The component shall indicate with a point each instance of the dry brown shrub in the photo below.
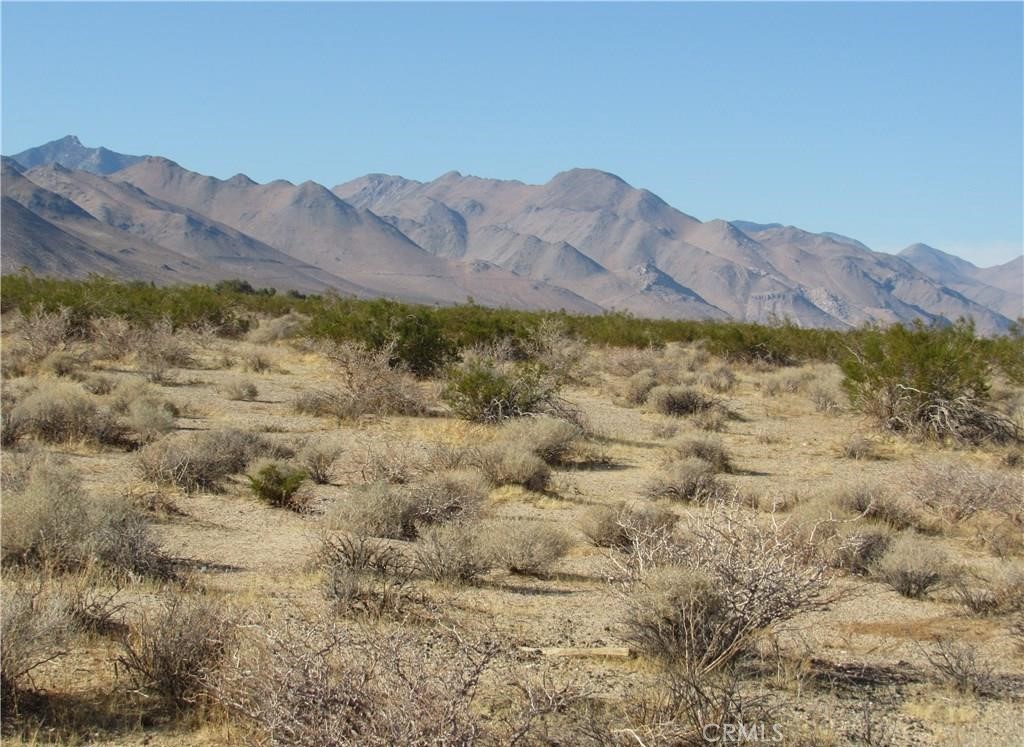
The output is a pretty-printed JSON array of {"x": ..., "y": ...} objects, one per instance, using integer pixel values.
[
  {"x": 524, "y": 547},
  {"x": 552, "y": 439},
  {"x": 331, "y": 685},
  {"x": 448, "y": 494},
  {"x": 36, "y": 627},
  {"x": 679, "y": 400},
  {"x": 318, "y": 457},
  {"x": 376, "y": 510},
  {"x": 364, "y": 575},
  {"x": 454, "y": 553},
  {"x": 958, "y": 490},
  {"x": 241, "y": 390},
  {"x": 512, "y": 464},
  {"x": 200, "y": 461},
  {"x": 280, "y": 328},
  {"x": 687, "y": 479},
  {"x": 112, "y": 337},
  {"x": 997, "y": 533},
  {"x": 913, "y": 565},
  {"x": 712, "y": 420},
  {"x": 614, "y": 525},
  {"x": 1000, "y": 592},
  {"x": 712, "y": 451},
  {"x": 721, "y": 380},
  {"x": 173, "y": 650},
  {"x": 859, "y": 447},
  {"x": 39, "y": 333},
  {"x": 158, "y": 350},
  {"x": 638, "y": 386},
  {"x": 961, "y": 665},
  {"x": 59, "y": 413}
]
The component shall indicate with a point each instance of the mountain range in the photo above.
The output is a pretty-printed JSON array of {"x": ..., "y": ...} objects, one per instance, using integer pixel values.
[{"x": 586, "y": 241}]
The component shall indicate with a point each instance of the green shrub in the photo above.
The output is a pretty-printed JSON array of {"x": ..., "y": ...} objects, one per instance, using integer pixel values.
[
  {"x": 488, "y": 391},
  {"x": 277, "y": 483},
  {"x": 926, "y": 381}
]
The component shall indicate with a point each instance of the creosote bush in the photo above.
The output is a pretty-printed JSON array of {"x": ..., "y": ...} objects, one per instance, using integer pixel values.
[
  {"x": 277, "y": 483},
  {"x": 913, "y": 566},
  {"x": 488, "y": 390}
]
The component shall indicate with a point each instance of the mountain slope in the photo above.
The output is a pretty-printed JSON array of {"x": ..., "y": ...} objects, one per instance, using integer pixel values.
[
  {"x": 313, "y": 225},
  {"x": 70, "y": 153},
  {"x": 1000, "y": 288}
]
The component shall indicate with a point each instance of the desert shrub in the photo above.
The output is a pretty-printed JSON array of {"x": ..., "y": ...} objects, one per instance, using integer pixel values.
[
  {"x": 367, "y": 384},
  {"x": 859, "y": 447},
  {"x": 826, "y": 400},
  {"x": 256, "y": 361},
  {"x": 200, "y": 461},
  {"x": 615, "y": 525},
  {"x": 857, "y": 547},
  {"x": 700, "y": 603},
  {"x": 241, "y": 390},
  {"x": 364, "y": 575},
  {"x": 335, "y": 685},
  {"x": 999, "y": 593},
  {"x": 960, "y": 665},
  {"x": 158, "y": 349},
  {"x": 712, "y": 420},
  {"x": 280, "y": 328},
  {"x": 62, "y": 363},
  {"x": 525, "y": 547},
  {"x": 149, "y": 420},
  {"x": 721, "y": 380},
  {"x": 1000, "y": 535},
  {"x": 35, "y": 628},
  {"x": 512, "y": 464},
  {"x": 678, "y": 400},
  {"x": 112, "y": 337},
  {"x": 785, "y": 383},
  {"x": 492, "y": 391},
  {"x": 277, "y": 483},
  {"x": 395, "y": 462},
  {"x": 711, "y": 451},
  {"x": 552, "y": 439},
  {"x": 174, "y": 649},
  {"x": 376, "y": 510},
  {"x": 442, "y": 496},
  {"x": 687, "y": 479},
  {"x": 927, "y": 381},
  {"x": 126, "y": 393},
  {"x": 98, "y": 384},
  {"x": 453, "y": 553},
  {"x": 39, "y": 332},
  {"x": 60, "y": 412},
  {"x": 50, "y": 522},
  {"x": 959, "y": 490},
  {"x": 317, "y": 458},
  {"x": 638, "y": 386},
  {"x": 913, "y": 565}
]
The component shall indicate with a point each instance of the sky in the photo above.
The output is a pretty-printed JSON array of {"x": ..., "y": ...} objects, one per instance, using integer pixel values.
[{"x": 890, "y": 123}]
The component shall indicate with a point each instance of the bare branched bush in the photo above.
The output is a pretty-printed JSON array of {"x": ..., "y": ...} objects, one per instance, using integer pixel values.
[
  {"x": 35, "y": 628},
  {"x": 200, "y": 461},
  {"x": 112, "y": 337},
  {"x": 615, "y": 525},
  {"x": 826, "y": 400},
  {"x": 913, "y": 565},
  {"x": 326, "y": 685},
  {"x": 392, "y": 461},
  {"x": 524, "y": 547},
  {"x": 689, "y": 479},
  {"x": 241, "y": 390},
  {"x": 376, "y": 510},
  {"x": 512, "y": 464},
  {"x": 40, "y": 333},
  {"x": 721, "y": 380},
  {"x": 173, "y": 650},
  {"x": 740, "y": 578},
  {"x": 364, "y": 575},
  {"x": 59, "y": 413},
  {"x": 158, "y": 350},
  {"x": 709, "y": 450},
  {"x": 368, "y": 383},
  {"x": 679, "y": 400},
  {"x": 859, "y": 447},
  {"x": 998, "y": 593},
  {"x": 318, "y": 457},
  {"x": 959, "y": 664}
]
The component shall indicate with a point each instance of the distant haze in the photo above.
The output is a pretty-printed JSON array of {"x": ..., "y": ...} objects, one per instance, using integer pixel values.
[{"x": 894, "y": 123}]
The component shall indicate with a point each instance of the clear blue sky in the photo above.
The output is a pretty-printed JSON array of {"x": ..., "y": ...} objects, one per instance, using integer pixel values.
[{"x": 890, "y": 123}]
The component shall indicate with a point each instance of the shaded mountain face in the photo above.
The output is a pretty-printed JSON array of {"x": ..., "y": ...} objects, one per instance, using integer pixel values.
[
  {"x": 585, "y": 241},
  {"x": 70, "y": 153}
]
